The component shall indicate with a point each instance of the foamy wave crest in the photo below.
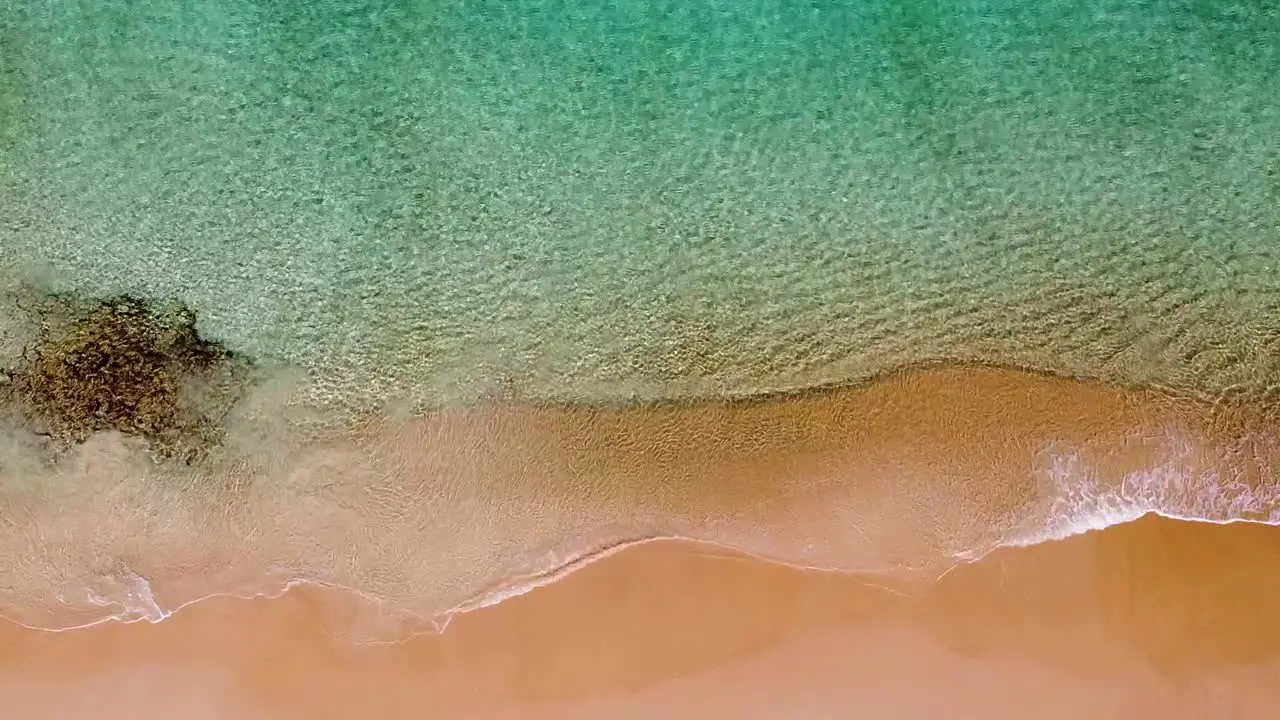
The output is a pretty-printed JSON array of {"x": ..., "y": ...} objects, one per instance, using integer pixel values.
[{"x": 1081, "y": 500}]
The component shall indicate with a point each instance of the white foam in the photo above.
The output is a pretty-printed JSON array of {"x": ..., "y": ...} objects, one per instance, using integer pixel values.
[{"x": 1079, "y": 501}]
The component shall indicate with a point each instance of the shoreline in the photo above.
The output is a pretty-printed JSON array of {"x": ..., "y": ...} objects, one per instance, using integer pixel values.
[
  {"x": 882, "y": 483},
  {"x": 1104, "y": 623},
  {"x": 896, "y": 478}
]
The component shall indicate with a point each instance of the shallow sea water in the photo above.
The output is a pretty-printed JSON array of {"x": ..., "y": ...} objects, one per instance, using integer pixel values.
[{"x": 678, "y": 359}]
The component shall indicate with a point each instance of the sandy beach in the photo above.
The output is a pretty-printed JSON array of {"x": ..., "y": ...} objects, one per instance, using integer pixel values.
[
  {"x": 899, "y": 484},
  {"x": 1155, "y": 619}
]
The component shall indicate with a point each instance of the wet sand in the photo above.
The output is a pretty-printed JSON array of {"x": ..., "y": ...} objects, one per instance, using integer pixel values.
[
  {"x": 1154, "y": 619},
  {"x": 887, "y": 481}
]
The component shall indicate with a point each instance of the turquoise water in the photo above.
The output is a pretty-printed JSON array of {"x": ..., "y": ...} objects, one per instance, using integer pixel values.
[{"x": 616, "y": 199}]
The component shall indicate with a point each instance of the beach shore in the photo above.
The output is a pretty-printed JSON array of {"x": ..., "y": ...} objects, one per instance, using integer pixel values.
[
  {"x": 955, "y": 501},
  {"x": 1158, "y": 618}
]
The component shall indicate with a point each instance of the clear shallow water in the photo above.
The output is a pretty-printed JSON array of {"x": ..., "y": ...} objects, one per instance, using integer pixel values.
[{"x": 598, "y": 200}]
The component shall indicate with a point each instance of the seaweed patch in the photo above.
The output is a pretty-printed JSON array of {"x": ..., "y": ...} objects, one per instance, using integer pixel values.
[{"x": 124, "y": 364}]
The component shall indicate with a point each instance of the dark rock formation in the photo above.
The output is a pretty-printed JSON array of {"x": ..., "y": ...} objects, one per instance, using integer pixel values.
[{"x": 129, "y": 365}]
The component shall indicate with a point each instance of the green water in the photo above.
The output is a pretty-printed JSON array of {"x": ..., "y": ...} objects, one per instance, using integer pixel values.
[{"x": 617, "y": 199}]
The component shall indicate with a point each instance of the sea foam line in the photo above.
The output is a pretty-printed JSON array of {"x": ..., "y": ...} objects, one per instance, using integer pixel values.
[{"x": 1079, "y": 504}]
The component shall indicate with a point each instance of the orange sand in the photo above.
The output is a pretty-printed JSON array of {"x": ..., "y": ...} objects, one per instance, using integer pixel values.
[
  {"x": 1157, "y": 619},
  {"x": 1153, "y": 619}
]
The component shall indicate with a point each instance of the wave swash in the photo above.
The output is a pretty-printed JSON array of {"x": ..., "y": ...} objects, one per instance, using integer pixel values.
[{"x": 901, "y": 478}]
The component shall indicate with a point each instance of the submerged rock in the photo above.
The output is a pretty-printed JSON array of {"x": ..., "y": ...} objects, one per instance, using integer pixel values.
[{"x": 129, "y": 365}]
